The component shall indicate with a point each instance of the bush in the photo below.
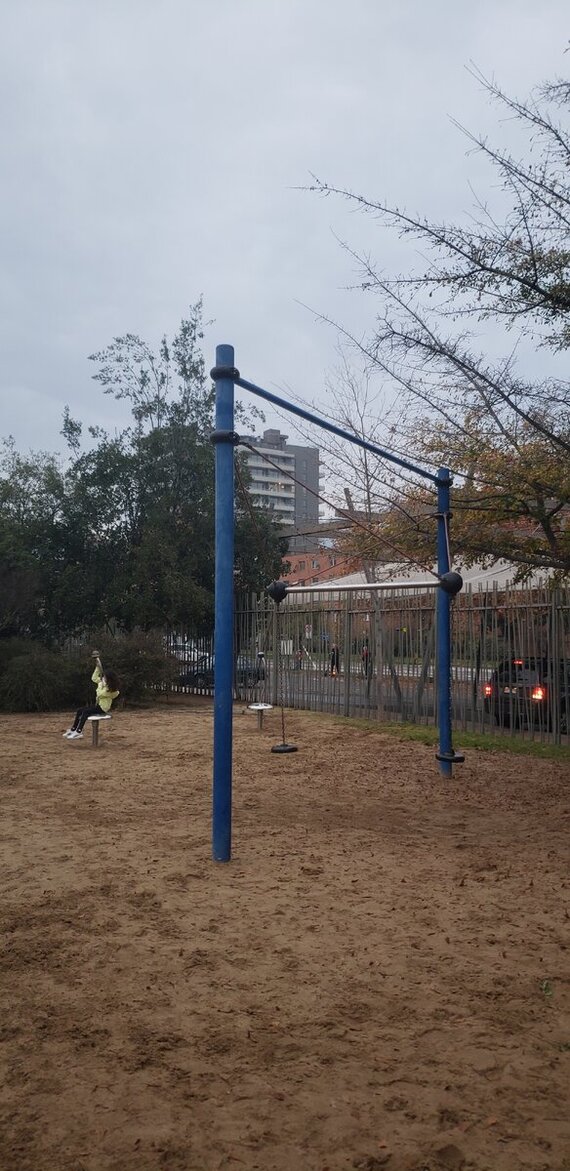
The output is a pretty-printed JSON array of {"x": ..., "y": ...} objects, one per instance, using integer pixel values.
[
  {"x": 77, "y": 688},
  {"x": 34, "y": 678},
  {"x": 11, "y": 648},
  {"x": 36, "y": 681},
  {"x": 140, "y": 660}
]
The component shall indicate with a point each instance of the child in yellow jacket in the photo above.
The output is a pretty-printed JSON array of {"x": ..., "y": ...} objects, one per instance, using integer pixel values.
[{"x": 107, "y": 690}]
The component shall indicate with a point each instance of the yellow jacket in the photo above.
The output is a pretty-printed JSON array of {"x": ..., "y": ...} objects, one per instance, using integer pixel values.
[{"x": 104, "y": 696}]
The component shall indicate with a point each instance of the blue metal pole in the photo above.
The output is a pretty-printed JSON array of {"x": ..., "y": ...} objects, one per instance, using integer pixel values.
[
  {"x": 443, "y": 663},
  {"x": 224, "y": 439},
  {"x": 332, "y": 427}
]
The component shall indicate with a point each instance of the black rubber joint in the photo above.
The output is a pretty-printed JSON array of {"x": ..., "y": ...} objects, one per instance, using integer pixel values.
[
  {"x": 225, "y": 437},
  {"x": 218, "y": 372},
  {"x": 277, "y": 590}
]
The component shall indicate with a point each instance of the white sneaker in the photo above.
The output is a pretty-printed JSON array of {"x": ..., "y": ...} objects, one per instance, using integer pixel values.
[
  {"x": 68, "y": 733},
  {"x": 75, "y": 736}
]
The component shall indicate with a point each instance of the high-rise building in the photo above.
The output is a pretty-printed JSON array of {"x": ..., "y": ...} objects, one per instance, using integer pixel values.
[{"x": 291, "y": 501}]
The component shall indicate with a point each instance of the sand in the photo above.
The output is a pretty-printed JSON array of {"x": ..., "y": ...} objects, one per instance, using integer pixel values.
[{"x": 379, "y": 978}]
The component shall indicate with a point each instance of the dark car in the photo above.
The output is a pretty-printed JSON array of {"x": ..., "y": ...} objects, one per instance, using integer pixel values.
[
  {"x": 529, "y": 692},
  {"x": 249, "y": 670},
  {"x": 199, "y": 674}
]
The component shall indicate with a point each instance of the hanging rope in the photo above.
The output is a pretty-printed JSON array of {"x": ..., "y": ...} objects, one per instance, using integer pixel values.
[
  {"x": 446, "y": 527},
  {"x": 451, "y": 582},
  {"x": 280, "y": 675},
  {"x": 277, "y": 591},
  {"x": 247, "y": 499}
]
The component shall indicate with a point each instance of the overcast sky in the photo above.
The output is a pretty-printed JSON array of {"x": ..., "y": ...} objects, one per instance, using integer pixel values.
[{"x": 152, "y": 151}]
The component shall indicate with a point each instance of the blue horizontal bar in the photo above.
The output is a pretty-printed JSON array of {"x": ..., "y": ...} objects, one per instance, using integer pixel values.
[{"x": 293, "y": 410}]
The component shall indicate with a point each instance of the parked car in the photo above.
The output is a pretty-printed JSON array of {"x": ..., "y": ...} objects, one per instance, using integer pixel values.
[
  {"x": 529, "y": 692},
  {"x": 249, "y": 670},
  {"x": 183, "y": 649}
]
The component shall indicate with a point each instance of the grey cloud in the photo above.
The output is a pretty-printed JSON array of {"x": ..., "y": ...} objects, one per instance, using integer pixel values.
[{"x": 151, "y": 153}]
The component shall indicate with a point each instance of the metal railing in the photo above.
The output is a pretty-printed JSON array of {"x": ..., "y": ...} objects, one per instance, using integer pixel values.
[{"x": 358, "y": 653}]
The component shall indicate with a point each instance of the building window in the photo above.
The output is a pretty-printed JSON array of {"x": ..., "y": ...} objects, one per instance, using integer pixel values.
[
  {"x": 301, "y": 565},
  {"x": 315, "y": 564}
]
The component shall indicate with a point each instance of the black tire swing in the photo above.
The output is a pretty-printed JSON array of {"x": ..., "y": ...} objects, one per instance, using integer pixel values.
[{"x": 277, "y": 591}]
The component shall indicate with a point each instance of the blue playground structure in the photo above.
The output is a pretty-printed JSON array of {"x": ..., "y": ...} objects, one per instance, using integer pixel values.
[{"x": 225, "y": 438}]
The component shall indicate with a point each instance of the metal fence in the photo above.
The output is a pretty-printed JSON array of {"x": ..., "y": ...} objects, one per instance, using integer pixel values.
[{"x": 373, "y": 656}]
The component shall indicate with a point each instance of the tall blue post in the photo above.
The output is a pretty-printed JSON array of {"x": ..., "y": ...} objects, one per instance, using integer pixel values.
[
  {"x": 224, "y": 440},
  {"x": 443, "y": 662}
]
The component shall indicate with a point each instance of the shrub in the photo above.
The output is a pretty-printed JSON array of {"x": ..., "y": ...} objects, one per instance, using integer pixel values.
[
  {"x": 140, "y": 660},
  {"x": 77, "y": 688},
  {"x": 11, "y": 648},
  {"x": 35, "y": 681},
  {"x": 34, "y": 678}
]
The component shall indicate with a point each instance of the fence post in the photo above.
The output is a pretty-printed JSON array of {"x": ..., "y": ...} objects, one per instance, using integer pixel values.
[
  {"x": 556, "y": 657},
  {"x": 347, "y": 653},
  {"x": 378, "y": 658}
]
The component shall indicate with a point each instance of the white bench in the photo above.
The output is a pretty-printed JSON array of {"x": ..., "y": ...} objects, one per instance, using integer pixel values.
[{"x": 95, "y": 721}]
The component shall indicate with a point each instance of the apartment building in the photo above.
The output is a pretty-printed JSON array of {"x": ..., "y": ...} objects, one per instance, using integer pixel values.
[{"x": 272, "y": 466}]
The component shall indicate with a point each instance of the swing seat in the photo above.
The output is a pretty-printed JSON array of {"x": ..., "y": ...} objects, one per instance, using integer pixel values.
[
  {"x": 95, "y": 721},
  {"x": 260, "y": 708}
]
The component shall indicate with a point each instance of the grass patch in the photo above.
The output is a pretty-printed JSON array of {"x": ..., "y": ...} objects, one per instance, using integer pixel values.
[{"x": 481, "y": 741}]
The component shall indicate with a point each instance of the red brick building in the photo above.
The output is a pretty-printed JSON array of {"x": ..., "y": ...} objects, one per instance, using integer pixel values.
[{"x": 318, "y": 565}]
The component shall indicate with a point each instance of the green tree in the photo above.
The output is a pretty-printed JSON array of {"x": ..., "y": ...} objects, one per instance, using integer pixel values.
[
  {"x": 505, "y": 507},
  {"x": 32, "y": 493},
  {"x": 123, "y": 533}
]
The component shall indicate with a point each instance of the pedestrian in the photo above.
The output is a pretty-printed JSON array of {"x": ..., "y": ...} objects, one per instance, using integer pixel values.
[
  {"x": 107, "y": 684},
  {"x": 335, "y": 659},
  {"x": 365, "y": 657}
]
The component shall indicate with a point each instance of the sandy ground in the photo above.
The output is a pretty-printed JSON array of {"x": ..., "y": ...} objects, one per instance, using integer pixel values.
[{"x": 378, "y": 979}]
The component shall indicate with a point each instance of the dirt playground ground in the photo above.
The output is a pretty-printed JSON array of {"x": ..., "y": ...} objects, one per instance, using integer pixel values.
[{"x": 379, "y": 979}]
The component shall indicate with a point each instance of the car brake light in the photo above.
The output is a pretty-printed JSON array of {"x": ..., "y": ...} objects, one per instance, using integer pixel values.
[
  {"x": 518, "y": 662},
  {"x": 538, "y": 693},
  {"x": 487, "y": 690}
]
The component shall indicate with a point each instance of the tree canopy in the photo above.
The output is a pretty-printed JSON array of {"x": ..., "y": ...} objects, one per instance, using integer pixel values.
[
  {"x": 504, "y": 433},
  {"x": 122, "y": 533}
]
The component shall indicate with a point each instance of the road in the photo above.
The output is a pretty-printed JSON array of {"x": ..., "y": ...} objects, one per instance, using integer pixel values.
[{"x": 356, "y": 695}]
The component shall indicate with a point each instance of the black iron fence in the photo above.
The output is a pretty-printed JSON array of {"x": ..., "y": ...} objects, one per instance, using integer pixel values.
[{"x": 373, "y": 655}]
